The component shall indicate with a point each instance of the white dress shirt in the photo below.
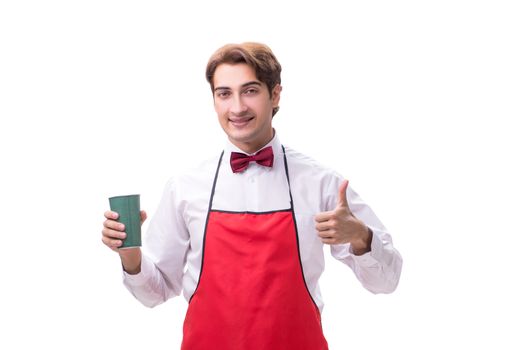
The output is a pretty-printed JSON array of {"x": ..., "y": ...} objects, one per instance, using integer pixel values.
[{"x": 172, "y": 250}]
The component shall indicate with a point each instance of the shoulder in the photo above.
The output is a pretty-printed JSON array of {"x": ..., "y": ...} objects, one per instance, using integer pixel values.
[
  {"x": 194, "y": 178},
  {"x": 313, "y": 184},
  {"x": 302, "y": 165}
]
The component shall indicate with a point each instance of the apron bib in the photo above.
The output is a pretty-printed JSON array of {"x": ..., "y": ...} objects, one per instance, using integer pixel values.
[{"x": 251, "y": 294}]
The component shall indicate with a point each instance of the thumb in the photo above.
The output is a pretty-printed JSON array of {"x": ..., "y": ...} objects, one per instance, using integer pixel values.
[
  {"x": 143, "y": 216},
  {"x": 342, "y": 196}
]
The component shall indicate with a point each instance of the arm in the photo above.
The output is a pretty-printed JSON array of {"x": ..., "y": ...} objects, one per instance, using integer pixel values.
[
  {"x": 359, "y": 240},
  {"x": 164, "y": 253},
  {"x": 154, "y": 273}
]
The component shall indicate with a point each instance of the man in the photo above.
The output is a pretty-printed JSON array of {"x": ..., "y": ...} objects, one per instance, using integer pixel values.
[{"x": 242, "y": 235}]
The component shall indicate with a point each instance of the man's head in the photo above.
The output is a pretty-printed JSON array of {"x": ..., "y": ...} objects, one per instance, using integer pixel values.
[
  {"x": 256, "y": 55},
  {"x": 245, "y": 81}
]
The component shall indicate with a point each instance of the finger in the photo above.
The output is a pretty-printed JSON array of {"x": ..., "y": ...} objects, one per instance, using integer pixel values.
[
  {"x": 329, "y": 241},
  {"x": 324, "y": 225},
  {"x": 326, "y": 234},
  {"x": 143, "y": 216},
  {"x": 113, "y": 234},
  {"x": 114, "y": 225},
  {"x": 112, "y": 215},
  {"x": 112, "y": 243},
  {"x": 324, "y": 216},
  {"x": 342, "y": 194}
]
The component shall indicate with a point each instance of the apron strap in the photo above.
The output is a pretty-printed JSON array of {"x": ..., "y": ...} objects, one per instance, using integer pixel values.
[
  {"x": 287, "y": 177},
  {"x": 214, "y": 185},
  {"x": 206, "y": 224}
]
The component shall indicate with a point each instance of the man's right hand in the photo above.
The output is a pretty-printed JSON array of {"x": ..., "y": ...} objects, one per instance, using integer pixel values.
[{"x": 112, "y": 235}]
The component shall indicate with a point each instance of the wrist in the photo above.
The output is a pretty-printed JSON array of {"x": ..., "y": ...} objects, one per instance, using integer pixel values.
[
  {"x": 363, "y": 244},
  {"x": 131, "y": 260}
]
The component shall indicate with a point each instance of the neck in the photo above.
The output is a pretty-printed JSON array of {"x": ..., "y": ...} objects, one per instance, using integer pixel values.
[{"x": 252, "y": 147}]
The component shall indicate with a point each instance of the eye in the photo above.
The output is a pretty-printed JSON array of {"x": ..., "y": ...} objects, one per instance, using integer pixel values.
[
  {"x": 251, "y": 91},
  {"x": 223, "y": 93}
]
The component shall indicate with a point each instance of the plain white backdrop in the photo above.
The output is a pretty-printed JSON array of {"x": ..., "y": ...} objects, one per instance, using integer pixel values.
[{"x": 418, "y": 103}]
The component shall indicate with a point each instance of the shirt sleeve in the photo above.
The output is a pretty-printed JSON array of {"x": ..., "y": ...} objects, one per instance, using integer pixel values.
[
  {"x": 378, "y": 270},
  {"x": 163, "y": 254}
]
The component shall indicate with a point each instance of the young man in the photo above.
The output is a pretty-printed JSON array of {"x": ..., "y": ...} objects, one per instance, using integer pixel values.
[{"x": 242, "y": 235}]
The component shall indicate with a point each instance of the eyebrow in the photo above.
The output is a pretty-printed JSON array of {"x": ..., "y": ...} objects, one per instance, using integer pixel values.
[{"x": 254, "y": 82}]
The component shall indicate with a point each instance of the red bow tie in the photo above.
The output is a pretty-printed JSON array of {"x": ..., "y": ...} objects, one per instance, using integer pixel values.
[{"x": 240, "y": 161}]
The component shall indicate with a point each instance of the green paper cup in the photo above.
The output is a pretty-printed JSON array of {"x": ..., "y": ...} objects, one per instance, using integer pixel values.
[{"x": 128, "y": 209}]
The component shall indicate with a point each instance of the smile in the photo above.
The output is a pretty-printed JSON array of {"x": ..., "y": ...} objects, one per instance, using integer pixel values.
[{"x": 240, "y": 122}]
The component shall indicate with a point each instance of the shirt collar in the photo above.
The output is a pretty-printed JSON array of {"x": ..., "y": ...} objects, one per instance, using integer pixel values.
[{"x": 275, "y": 143}]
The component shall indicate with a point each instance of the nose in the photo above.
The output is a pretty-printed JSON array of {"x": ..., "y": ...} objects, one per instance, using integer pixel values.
[{"x": 237, "y": 105}]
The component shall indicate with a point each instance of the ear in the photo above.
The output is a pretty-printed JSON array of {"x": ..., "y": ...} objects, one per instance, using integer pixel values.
[{"x": 275, "y": 95}]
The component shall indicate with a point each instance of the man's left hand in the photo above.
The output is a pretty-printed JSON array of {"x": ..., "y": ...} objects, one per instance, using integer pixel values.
[{"x": 340, "y": 226}]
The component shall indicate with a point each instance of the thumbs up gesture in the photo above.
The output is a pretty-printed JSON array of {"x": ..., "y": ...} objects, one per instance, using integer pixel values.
[{"x": 340, "y": 226}]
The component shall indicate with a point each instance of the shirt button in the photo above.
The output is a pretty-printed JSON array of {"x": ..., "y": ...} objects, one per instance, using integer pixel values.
[{"x": 251, "y": 179}]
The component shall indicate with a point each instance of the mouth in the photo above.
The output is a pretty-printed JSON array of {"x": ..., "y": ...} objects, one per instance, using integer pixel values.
[{"x": 240, "y": 122}]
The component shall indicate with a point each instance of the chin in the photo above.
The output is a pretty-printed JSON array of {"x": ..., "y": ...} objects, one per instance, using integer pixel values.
[
  {"x": 240, "y": 137},
  {"x": 239, "y": 134}
]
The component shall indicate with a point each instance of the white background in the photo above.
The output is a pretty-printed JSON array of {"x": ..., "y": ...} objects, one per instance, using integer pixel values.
[{"x": 417, "y": 103}]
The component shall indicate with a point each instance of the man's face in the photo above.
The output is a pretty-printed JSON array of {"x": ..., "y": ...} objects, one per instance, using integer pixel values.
[{"x": 244, "y": 106}]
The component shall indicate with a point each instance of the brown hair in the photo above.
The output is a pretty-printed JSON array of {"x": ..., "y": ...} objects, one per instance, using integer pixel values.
[{"x": 256, "y": 55}]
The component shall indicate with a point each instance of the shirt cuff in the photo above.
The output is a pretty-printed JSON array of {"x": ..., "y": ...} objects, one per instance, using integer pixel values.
[
  {"x": 143, "y": 276},
  {"x": 372, "y": 257}
]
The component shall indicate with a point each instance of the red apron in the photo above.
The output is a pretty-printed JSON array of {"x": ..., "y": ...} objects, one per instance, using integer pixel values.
[{"x": 252, "y": 293}]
